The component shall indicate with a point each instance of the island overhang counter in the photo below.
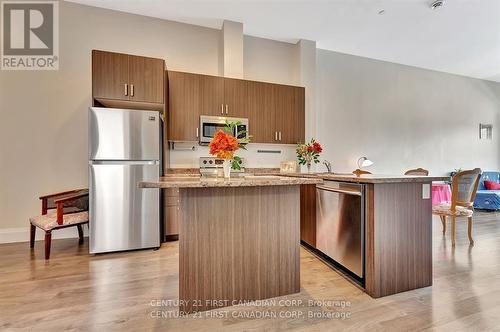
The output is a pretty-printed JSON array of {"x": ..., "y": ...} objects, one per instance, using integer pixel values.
[{"x": 239, "y": 239}]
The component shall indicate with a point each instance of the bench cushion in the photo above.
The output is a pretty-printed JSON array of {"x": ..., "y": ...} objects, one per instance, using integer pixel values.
[{"x": 48, "y": 221}]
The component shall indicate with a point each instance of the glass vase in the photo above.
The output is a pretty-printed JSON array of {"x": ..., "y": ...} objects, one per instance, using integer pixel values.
[
  {"x": 226, "y": 166},
  {"x": 308, "y": 164}
]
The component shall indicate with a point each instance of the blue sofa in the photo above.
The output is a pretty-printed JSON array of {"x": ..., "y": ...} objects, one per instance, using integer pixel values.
[{"x": 488, "y": 199}]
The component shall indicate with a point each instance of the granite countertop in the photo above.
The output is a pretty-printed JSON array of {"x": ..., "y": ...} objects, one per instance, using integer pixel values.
[
  {"x": 380, "y": 178},
  {"x": 190, "y": 181},
  {"x": 344, "y": 177},
  {"x": 369, "y": 178}
]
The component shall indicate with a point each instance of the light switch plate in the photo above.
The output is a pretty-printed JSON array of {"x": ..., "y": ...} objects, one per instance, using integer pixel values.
[{"x": 426, "y": 191}]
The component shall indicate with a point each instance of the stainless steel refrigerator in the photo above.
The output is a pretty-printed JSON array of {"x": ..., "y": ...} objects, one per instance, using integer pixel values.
[{"x": 124, "y": 149}]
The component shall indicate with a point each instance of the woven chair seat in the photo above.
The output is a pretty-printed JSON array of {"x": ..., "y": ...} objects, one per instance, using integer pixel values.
[{"x": 48, "y": 221}]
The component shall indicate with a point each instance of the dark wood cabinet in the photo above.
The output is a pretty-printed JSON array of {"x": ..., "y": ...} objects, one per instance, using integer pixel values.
[
  {"x": 235, "y": 98},
  {"x": 171, "y": 214},
  {"x": 212, "y": 95},
  {"x": 109, "y": 75},
  {"x": 290, "y": 114},
  {"x": 146, "y": 79},
  {"x": 308, "y": 214},
  {"x": 129, "y": 81},
  {"x": 275, "y": 112},
  {"x": 184, "y": 105},
  {"x": 192, "y": 95},
  {"x": 261, "y": 112},
  {"x": 299, "y": 115}
]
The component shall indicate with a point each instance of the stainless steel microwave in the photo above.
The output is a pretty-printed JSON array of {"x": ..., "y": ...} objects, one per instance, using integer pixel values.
[{"x": 210, "y": 124}]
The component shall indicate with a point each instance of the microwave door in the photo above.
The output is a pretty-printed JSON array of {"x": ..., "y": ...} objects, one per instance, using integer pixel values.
[{"x": 209, "y": 129}]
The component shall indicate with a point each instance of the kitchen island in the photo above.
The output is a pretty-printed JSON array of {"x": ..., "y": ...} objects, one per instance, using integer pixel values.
[
  {"x": 378, "y": 227},
  {"x": 239, "y": 240}
]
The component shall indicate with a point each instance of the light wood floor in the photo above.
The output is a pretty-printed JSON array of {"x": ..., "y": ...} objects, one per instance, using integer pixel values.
[{"x": 75, "y": 291}]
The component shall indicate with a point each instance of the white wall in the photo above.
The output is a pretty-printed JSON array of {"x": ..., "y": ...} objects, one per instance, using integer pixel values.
[
  {"x": 403, "y": 117},
  {"x": 232, "y": 41},
  {"x": 270, "y": 61}
]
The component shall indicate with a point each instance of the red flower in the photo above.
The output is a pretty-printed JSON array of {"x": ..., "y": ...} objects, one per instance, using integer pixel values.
[
  {"x": 317, "y": 147},
  {"x": 309, "y": 148}
]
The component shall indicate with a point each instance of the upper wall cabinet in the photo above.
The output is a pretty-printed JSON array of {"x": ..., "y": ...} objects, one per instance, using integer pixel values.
[
  {"x": 109, "y": 75},
  {"x": 122, "y": 80},
  {"x": 211, "y": 97},
  {"x": 146, "y": 79},
  {"x": 235, "y": 98},
  {"x": 290, "y": 114},
  {"x": 185, "y": 100},
  {"x": 275, "y": 112},
  {"x": 261, "y": 108}
]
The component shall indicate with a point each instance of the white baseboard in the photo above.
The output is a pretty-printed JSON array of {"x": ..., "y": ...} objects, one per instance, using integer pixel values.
[{"x": 22, "y": 234}]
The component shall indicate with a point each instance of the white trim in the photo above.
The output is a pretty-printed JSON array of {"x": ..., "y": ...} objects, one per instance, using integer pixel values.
[{"x": 22, "y": 234}]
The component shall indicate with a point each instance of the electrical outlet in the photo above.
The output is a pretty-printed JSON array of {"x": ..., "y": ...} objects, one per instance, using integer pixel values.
[{"x": 426, "y": 191}]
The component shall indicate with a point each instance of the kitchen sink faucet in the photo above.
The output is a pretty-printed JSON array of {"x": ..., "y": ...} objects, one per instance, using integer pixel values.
[{"x": 328, "y": 165}]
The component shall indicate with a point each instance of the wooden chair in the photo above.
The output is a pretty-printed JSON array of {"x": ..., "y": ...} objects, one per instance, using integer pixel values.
[
  {"x": 464, "y": 188},
  {"x": 61, "y": 210},
  {"x": 359, "y": 172},
  {"x": 417, "y": 171}
]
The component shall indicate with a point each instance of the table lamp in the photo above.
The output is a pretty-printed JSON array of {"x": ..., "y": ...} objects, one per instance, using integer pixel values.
[{"x": 363, "y": 162}]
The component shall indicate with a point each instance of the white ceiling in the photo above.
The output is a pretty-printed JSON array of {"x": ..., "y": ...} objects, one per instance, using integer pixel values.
[{"x": 462, "y": 37}]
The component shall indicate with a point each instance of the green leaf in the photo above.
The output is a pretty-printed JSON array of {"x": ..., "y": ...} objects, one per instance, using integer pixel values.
[{"x": 235, "y": 165}]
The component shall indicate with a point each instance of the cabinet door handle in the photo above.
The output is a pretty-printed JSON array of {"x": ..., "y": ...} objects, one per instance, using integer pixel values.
[
  {"x": 131, "y": 90},
  {"x": 221, "y": 108},
  {"x": 275, "y": 135},
  {"x": 197, "y": 132},
  {"x": 280, "y": 136},
  {"x": 226, "y": 108},
  {"x": 125, "y": 90}
]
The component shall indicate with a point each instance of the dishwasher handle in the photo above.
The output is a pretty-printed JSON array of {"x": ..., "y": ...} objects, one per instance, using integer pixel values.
[{"x": 342, "y": 191}]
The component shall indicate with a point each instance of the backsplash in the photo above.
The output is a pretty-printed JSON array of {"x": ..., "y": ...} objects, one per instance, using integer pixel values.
[{"x": 256, "y": 155}]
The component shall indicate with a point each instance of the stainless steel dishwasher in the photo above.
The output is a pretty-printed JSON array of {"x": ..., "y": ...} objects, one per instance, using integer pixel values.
[{"x": 340, "y": 224}]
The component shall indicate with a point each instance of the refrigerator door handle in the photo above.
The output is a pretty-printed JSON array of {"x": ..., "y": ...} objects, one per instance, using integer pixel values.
[{"x": 124, "y": 162}]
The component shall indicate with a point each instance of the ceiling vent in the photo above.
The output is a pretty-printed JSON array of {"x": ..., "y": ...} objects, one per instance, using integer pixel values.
[{"x": 436, "y": 4}]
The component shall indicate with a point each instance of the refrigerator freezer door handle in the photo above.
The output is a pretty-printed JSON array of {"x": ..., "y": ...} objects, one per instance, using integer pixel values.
[{"x": 124, "y": 162}]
